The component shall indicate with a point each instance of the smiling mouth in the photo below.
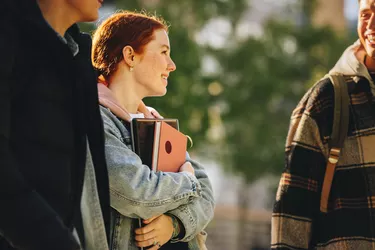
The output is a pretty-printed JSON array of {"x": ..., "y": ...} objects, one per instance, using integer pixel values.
[{"x": 165, "y": 79}]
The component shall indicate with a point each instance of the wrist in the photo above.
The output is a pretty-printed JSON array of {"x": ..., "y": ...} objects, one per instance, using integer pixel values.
[{"x": 176, "y": 227}]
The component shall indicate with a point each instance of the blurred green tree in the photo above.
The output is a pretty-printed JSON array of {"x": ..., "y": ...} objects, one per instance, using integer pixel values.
[{"x": 263, "y": 80}]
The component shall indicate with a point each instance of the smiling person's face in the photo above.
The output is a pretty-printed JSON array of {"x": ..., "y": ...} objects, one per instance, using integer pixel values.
[
  {"x": 366, "y": 26},
  {"x": 155, "y": 64}
]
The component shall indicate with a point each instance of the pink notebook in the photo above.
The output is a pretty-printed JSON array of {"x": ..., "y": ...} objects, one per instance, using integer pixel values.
[{"x": 169, "y": 151}]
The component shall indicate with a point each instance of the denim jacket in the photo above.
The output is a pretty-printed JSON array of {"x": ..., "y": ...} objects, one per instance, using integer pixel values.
[
  {"x": 95, "y": 237},
  {"x": 137, "y": 192}
]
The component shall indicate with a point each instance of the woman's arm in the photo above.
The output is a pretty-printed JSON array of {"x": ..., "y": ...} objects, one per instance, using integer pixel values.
[
  {"x": 196, "y": 215},
  {"x": 135, "y": 190},
  {"x": 188, "y": 220}
]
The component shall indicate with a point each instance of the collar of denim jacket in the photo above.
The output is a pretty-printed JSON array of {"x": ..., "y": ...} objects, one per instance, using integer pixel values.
[{"x": 108, "y": 100}]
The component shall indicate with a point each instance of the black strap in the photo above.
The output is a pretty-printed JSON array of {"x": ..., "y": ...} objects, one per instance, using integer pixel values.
[
  {"x": 341, "y": 112},
  {"x": 339, "y": 133}
]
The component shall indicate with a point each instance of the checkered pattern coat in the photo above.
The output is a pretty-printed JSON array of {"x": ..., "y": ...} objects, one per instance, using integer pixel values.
[{"x": 297, "y": 222}]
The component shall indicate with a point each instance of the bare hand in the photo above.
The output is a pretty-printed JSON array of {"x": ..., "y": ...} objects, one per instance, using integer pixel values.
[
  {"x": 187, "y": 167},
  {"x": 157, "y": 232},
  {"x": 155, "y": 113}
]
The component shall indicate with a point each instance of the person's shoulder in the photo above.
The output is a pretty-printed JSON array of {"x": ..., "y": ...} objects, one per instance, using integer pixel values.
[
  {"x": 322, "y": 90},
  {"x": 317, "y": 99},
  {"x": 317, "y": 104},
  {"x": 111, "y": 121},
  {"x": 106, "y": 114}
]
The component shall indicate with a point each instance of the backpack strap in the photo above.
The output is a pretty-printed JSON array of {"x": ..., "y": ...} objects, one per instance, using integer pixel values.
[{"x": 339, "y": 133}]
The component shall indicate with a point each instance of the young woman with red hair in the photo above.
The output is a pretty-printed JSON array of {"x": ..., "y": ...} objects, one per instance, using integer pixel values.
[{"x": 132, "y": 53}]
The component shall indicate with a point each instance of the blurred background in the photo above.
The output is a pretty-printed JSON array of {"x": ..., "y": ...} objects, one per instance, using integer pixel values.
[{"x": 242, "y": 66}]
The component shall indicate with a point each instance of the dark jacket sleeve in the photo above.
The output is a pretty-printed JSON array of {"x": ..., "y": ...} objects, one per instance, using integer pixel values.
[{"x": 26, "y": 220}]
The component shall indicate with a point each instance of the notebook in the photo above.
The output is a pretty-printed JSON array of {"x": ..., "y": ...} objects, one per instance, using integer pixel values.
[
  {"x": 143, "y": 142},
  {"x": 169, "y": 149}
]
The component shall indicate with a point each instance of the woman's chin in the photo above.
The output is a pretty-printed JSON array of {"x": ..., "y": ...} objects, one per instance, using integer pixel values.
[{"x": 159, "y": 93}]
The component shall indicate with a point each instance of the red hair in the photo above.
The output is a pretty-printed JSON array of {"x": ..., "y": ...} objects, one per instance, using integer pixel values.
[{"x": 119, "y": 30}]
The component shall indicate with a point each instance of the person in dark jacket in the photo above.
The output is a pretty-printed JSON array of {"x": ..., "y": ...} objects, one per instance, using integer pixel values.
[{"x": 49, "y": 113}]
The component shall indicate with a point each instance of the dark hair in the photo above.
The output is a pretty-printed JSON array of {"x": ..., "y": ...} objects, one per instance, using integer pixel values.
[{"x": 120, "y": 30}]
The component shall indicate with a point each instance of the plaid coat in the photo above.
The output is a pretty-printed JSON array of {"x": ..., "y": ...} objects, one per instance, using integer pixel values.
[{"x": 297, "y": 222}]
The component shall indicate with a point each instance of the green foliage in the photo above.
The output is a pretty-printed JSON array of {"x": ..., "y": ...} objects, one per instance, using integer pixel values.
[
  {"x": 87, "y": 27},
  {"x": 271, "y": 75}
]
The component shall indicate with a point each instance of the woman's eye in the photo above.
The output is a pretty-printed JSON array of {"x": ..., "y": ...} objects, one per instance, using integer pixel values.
[
  {"x": 365, "y": 15},
  {"x": 164, "y": 52}
]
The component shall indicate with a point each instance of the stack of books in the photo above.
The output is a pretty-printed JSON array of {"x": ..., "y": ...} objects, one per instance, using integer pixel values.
[{"x": 159, "y": 143}]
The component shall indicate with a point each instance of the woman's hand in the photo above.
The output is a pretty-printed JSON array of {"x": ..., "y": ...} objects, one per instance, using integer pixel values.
[
  {"x": 157, "y": 232},
  {"x": 187, "y": 167},
  {"x": 154, "y": 113}
]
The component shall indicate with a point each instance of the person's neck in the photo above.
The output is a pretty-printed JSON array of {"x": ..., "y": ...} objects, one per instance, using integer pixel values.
[
  {"x": 58, "y": 17},
  {"x": 125, "y": 92},
  {"x": 369, "y": 63}
]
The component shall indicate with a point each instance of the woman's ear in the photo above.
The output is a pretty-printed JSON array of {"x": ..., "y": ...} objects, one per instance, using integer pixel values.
[{"x": 129, "y": 56}]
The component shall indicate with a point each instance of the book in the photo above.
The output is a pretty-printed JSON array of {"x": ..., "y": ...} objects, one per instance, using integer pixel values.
[
  {"x": 143, "y": 137},
  {"x": 169, "y": 148}
]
